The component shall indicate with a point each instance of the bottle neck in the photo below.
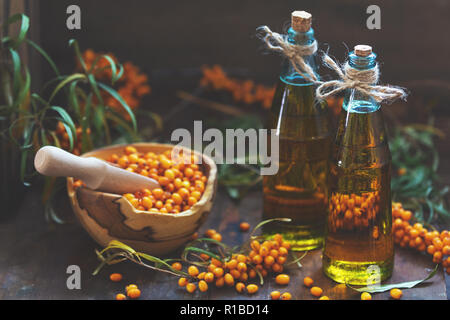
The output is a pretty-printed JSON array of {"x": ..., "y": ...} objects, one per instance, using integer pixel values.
[
  {"x": 355, "y": 101},
  {"x": 288, "y": 73}
]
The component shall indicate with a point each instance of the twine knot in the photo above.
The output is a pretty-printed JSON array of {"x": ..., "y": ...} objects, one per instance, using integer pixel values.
[
  {"x": 362, "y": 80},
  {"x": 294, "y": 52}
]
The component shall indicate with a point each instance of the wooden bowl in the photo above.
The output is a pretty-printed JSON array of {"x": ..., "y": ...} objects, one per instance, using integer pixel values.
[{"x": 107, "y": 216}]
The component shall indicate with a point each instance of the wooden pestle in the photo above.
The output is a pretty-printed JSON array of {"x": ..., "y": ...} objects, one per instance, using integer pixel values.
[{"x": 95, "y": 173}]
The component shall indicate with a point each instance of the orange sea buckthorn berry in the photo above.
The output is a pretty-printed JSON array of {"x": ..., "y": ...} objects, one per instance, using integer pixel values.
[
  {"x": 316, "y": 291},
  {"x": 134, "y": 293},
  {"x": 130, "y": 286},
  {"x": 217, "y": 237},
  {"x": 177, "y": 266},
  {"x": 286, "y": 296},
  {"x": 191, "y": 287},
  {"x": 120, "y": 296},
  {"x": 229, "y": 280},
  {"x": 116, "y": 277},
  {"x": 210, "y": 232},
  {"x": 275, "y": 295},
  {"x": 220, "y": 282},
  {"x": 282, "y": 279},
  {"x": 158, "y": 193},
  {"x": 202, "y": 286},
  {"x": 437, "y": 257},
  {"x": 278, "y": 238},
  {"x": 240, "y": 287},
  {"x": 252, "y": 288},
  {"x": 241, "y": 267},
  {"x": 218, "y": 272},
  {"x": 396, "y": 293},
  {"x": 209, "y": 277},
  {"x": 244, "y": 226},
  {"x": 281, "y": 259},
  {"x": 216, "y": 262},
  {"x": 182, "y": 282},
  {"x": 308, "y": 282},
  {"x": 366, "y": 296},
  {"x": 201, "y": 276},
  {"x": 446, "y": 250},
  {"x": 193, "y": 271},
  {"x": 130, "y": 150},
  {"x": 235, "y": 273},
  {"x": 283, "y": 251}
]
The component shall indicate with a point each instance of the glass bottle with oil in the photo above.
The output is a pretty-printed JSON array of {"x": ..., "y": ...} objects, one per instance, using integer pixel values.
[
  {"x": 359, "y": 244},
  {"x": 299, "y": 190}
]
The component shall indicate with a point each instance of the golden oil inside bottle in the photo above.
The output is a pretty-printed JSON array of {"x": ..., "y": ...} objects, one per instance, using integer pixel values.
[
  {"x": 299, "y": 190},
  {"x": 359, "y": 245}
]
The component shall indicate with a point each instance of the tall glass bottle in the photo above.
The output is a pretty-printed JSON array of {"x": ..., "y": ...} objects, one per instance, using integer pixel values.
[
  {"x": 359, "y": 243},
  {"x": 299, "y": 190}
]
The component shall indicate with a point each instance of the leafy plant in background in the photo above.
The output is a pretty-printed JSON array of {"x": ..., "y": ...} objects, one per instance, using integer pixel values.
[
  {"x": 20, "y": 121},
  {"x": 94, "y": 110},
  {"x": 416, "y": 160}
]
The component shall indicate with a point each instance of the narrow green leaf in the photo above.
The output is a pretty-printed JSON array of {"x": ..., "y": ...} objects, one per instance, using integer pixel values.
[
  {"x": 45, "y": 55},
  {"x": 199, "y": 250},
  {"x": 259, "y": 225},
  {"x": 116, "y": 96},
  {"x": 402, "y": 285},
  {"x": 24, "y": 26},
  {"x": 67, "y": 80},
  {"x": 16, "y": 70},
  {"x": 74, "y": 43}
]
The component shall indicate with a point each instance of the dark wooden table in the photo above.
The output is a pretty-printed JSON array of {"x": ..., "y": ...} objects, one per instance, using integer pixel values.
[{"x": 34, "y": 256}]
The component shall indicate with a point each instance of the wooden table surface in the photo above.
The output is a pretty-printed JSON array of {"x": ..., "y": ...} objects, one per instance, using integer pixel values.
[{"x": 34, "y": 256}]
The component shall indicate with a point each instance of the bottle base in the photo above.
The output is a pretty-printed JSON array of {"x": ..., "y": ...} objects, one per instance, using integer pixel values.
[{"x": 357, "y": 273}]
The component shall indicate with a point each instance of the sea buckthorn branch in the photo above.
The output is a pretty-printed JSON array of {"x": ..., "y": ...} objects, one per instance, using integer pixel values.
[
  {"x": 221, "y": 264},
  {"x": 117, "y": 252},
  {"x": 363, "y": 81},
  {"x": 294, "y": 52},
  {"x": 245, "y": 91}
]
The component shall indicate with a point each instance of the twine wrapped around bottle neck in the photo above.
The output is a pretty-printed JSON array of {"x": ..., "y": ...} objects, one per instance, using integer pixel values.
[
  {"x": 293, "y": 52},
  {"x": 362, "y": 80}
]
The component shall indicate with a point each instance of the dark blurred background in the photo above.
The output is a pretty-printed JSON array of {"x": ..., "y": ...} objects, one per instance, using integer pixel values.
[
  {"x": 159, "y": 35},
  {"x": 170, "y": 40}
]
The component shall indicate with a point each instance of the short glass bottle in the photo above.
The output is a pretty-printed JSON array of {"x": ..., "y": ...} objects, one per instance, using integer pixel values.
[{"x": 359, "y": 243}]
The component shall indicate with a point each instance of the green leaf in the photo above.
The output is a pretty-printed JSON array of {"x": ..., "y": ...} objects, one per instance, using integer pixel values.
[
  {"x": 116, "y": 96},
  {"x": 23, "y": 92},
  {"x": 114, "y": 74},
  {"x": 74, "y": 43},
  {"x": 199, "y": 250},
  {"x": 402, "y": 285},
  {"x": 24, "y": 26},
  {"x": 67, "y": 80},
  {"x": 118, "y": 245},
  {"x": 16, "y": 70},
  {"x": 259, "y": 225},
  {"x": 68, "y": 124},
  {"x": 73, "y": 99},
  {"x": 45, "y": 55}
]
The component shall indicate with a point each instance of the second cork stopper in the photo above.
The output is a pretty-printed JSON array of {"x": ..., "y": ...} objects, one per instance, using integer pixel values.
[
  {"x": 362, "y": 50},
  {"x": 301, "y": 21}
]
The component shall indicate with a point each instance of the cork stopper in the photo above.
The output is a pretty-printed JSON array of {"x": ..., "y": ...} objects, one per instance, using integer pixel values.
[
  {"x": 301, "y": 21},
  {"x": 362, "y": 50}
]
